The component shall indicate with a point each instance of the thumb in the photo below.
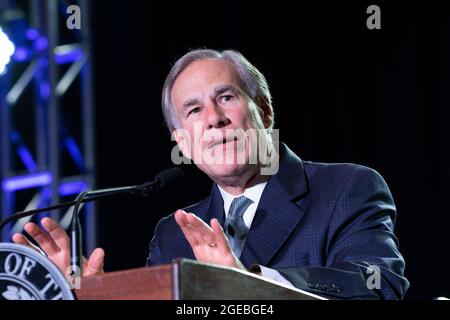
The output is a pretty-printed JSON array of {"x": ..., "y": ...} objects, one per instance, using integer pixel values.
[{"x": 95, "y": 262}]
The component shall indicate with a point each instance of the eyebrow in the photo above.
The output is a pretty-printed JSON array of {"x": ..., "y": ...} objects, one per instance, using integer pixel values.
[
  {"x": 224, "y": 88},
  {"x": 217, "y": 91},
  {"x": 190, "y": 102}
]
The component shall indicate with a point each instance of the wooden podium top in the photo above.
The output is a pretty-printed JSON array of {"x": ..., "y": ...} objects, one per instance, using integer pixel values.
[{"x": 186, "y": 280}]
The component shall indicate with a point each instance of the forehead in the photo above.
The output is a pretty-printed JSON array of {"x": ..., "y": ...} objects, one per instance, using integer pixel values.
[{"x": 201, "y": 76}]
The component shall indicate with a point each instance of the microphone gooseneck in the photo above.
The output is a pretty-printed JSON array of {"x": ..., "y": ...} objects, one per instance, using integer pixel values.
[{"x": 162, "y": 180}]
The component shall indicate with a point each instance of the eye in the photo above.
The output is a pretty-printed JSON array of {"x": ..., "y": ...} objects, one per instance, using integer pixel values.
[
  {"x": 194, "y": 111},
  {"x": 226, "y": 98}
]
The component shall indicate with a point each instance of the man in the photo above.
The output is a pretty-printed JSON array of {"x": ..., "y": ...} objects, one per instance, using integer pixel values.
[{"x": 324, "y": 228}]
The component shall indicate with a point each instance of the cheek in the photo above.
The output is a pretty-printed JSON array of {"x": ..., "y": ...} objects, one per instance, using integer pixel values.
[
  {"x": 251, "y": 121},
  {"x": 242, "y": 118}
]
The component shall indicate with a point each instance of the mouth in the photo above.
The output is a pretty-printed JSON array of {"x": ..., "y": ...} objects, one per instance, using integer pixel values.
[{"x": 223, "y": 141}]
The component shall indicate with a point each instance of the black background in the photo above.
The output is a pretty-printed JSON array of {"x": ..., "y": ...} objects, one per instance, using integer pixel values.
[{"x": 342, "y": 93}]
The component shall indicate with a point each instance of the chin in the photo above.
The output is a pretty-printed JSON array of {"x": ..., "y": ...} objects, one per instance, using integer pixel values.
[{"x": 224, "y": 170}]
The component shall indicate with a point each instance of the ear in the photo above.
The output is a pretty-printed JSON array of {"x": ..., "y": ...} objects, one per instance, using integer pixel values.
[
  {"x": 182, "y": 137},
  {"x": 266, "y": 111}
]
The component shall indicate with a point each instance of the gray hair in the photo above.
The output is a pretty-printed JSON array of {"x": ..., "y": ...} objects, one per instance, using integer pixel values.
[{"x": 255, "y": 84}]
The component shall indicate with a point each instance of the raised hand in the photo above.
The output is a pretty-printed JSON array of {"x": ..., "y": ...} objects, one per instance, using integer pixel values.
[
  {"x": 55, "y": 242},
  {"x": 209, "y": 243}
]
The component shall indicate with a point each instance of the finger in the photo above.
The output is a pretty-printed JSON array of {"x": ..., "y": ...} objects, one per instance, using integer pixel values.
[
  {"x": 221, "y": 238},
  {"x": 197, "y": 223},
  {"x": 19, "y": 238},
  {"x": 95, "y": 263},
  {"x": 201, "y": 230},
  {"x": 45, "y": 241},
  {"x": 57, "y": 233},
  {"x": 181, "y": 219},
  {"x": 191, "y": 229}
]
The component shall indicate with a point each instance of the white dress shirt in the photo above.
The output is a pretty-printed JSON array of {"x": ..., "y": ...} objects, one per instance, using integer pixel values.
[{"x": 253, "y": 193}]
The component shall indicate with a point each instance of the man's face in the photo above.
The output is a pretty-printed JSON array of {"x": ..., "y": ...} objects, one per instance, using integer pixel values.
[{"x": 213, "y": 112}]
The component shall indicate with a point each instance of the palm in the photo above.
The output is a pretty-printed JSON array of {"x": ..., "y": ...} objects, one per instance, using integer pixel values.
[
  {"x": 56, "y": 244},
  {"x": 208, "y": 243}
]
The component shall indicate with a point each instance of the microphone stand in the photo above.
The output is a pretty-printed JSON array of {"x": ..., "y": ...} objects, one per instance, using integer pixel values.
[
  {"x": 76, "y": 239},
  {"x": 28, "y": 213},
  {"x": 76, "y": 257},
  {"x": 76, "y": 244}
]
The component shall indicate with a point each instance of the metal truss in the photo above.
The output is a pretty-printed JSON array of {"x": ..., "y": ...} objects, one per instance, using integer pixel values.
[{"x": 32, "y": 172}]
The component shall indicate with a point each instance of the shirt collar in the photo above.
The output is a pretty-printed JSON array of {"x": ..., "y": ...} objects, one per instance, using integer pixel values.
[{"x": 253, "y": 193}]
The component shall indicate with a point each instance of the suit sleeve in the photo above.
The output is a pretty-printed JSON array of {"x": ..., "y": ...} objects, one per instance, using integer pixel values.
[
  {"x": 362, "y": 257},
  {"x": 154, "y": 256}
]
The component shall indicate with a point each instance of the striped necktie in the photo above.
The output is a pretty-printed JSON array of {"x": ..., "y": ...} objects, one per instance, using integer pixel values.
[{"x": 235, "y": 228}]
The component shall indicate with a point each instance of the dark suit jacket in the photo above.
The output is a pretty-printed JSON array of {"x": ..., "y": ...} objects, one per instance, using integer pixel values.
[{"x": 319, "y": 225}]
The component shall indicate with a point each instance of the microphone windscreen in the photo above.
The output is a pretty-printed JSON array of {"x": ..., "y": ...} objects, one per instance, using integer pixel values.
[{"x": 169, "y": 176}]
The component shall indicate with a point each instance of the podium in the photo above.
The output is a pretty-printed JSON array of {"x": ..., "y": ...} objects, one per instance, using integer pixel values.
[{"x": 186, "y": 280}]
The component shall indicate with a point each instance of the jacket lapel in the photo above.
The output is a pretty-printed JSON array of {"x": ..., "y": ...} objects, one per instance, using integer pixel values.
[
  {"x": 278, "y": 214},
  {"x": 215, "y": 207}
]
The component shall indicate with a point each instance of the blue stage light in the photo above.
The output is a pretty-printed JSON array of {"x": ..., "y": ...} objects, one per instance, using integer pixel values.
[
  {"x": 72, "y": 188},
  {"x": 27, "y": 182},
  {"x": 6, "y": 51}
]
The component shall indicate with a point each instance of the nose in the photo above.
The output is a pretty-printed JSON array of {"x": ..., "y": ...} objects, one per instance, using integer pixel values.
[{"x": 216, "y": 117}]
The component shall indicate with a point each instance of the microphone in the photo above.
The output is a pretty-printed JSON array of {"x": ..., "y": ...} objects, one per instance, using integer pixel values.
[{"x": 162, "y": 179}]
